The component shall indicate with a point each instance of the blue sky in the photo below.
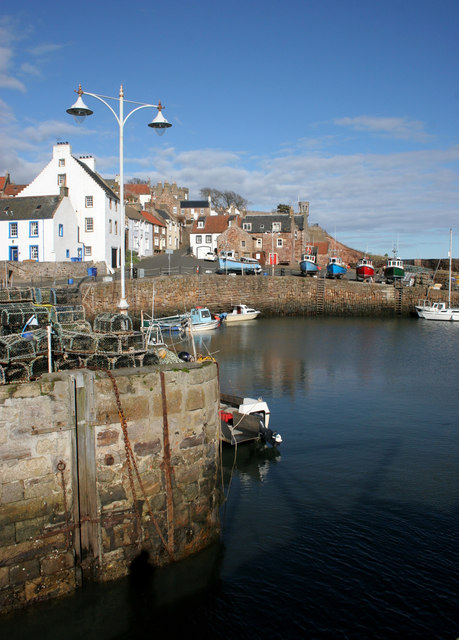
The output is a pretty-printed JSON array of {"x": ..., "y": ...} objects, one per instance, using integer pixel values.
[{"x": 352, "y": 105}]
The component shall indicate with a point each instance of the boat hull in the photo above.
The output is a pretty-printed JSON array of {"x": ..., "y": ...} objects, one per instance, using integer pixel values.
[
  {"x": 364, "y": 272},
  {"x": 232, "y": 318},
  {"x": 230, "y": 265},
  {"x": 394, "y": 273},
  {"x": 438, "y": 312},
  {"x": 308, "y": 268},
  {"x": 336, "y": 270}
]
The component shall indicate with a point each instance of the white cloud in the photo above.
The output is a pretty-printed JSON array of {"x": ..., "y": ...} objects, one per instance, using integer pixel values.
[{"x": 400, "y": 128}]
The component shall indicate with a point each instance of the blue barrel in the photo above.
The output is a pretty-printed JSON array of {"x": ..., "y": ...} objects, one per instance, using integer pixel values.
[
  {"x": 70, "y": 281},
  {"x": 92, "y": 271}
]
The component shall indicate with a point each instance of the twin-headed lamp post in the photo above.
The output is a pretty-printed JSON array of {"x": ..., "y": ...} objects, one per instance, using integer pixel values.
[{"x": 79, "y": 111}]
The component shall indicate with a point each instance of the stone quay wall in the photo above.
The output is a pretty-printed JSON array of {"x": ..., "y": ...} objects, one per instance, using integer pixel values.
[
  {"x": 83, "y": 492},
  {"x": 31, "y": 272},
  {"x": 273, "y": 295}
]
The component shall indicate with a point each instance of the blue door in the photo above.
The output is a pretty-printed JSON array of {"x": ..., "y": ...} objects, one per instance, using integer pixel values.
[{"x": 13, "y": 254}]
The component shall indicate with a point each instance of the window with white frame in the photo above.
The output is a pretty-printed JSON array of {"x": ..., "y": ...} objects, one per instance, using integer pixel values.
[
  {"x": 156, "y": 228},
  {"x": 200, "y": 224},
  {"x": 156, "y": 241},
  {"x": 33, "y": 229},
  {"x": 33, "y": 252},
  {"x": 87, "y": 250},
  {"x": 247, "y": 226},
  {"x": 61, "y": 178},
  {"x": 61, "y": 231},
  {"x": 279, "y": 243},
  {"x": 13, "y": 229},
  {"x": 208, "y": 239},
  {"x": 89, "y": 201},
  {"x": 198, "y": 239},
  {"x": 276, "y": 226},
  {"x": 89, "y": 224},
  {"x": 259, "y": 243},
  {"x": 62, "y": 162}
]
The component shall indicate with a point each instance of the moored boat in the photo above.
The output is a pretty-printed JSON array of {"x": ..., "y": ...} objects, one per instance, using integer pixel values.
[
  {"x": 308, "y": 263},
  {"x": 365, "y": 269},
  {"x": 245, "y": 420},
  {"x": 336, "y": 267},
  {"x": 394, "y": 269},
  {"x": 241, "y": 312},
  {"x": 198, "y": 319},
  {"x": 228, "y": 263}
]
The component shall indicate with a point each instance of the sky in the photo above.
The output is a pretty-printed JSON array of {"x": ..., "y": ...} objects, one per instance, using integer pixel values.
[{"x": 349, "y": 104}]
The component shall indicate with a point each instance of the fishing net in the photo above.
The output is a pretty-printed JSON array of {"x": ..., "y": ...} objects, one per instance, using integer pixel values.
[
  {"x": 14, "y": 317},
  {"x": 112, "y": 323}
]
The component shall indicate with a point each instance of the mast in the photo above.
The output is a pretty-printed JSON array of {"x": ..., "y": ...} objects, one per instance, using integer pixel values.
[{"x": 450, "y": 265}]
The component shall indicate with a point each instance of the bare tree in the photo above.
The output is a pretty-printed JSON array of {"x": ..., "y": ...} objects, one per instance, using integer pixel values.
[
  {"x": 222, "y": 200},
  {"x": 139, "y": 181}
]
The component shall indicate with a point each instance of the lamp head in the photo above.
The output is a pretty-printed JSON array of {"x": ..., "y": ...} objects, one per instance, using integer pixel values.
[
  {"x": 79, "y": 110},
  {"x": 159, "y": 123}
]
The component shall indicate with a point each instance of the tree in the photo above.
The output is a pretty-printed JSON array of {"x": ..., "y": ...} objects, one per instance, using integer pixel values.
[
  {"x": 283, "y": 208},
  {"x": 138, "y": 181},
  {"x": 222, "y": 200}
]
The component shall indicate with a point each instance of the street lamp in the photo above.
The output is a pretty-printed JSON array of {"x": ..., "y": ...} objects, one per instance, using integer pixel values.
[{"x": 79, "y": 111}]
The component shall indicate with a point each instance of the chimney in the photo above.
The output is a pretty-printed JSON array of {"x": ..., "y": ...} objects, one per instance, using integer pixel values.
[
  {"x": 64, "y": 192},
  {"x": 89, "y": 161}
]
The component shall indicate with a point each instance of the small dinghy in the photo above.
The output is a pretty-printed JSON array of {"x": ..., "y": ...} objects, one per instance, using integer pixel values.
[{"x": 245, "y": 420}]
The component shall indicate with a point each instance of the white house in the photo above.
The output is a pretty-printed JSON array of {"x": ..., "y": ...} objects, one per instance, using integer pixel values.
[
  {"x": 205, "y": 232},
  {"x": 96, "y": 206},
  {"x": 40, "y": 228},
  {"x": 140, "y": 233}
]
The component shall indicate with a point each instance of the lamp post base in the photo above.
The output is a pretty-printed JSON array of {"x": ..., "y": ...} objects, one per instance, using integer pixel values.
[{"x": 123, "y": 306}]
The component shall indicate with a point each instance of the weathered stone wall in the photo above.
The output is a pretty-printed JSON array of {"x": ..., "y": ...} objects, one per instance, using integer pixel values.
[
  {"x": 68, "y": 474},
  {"x": 32, "y": 272},
  {"x": 278, "y": 295}
]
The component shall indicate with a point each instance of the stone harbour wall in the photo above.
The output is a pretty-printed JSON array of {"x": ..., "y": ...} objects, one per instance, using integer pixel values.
[
  {"x": 84, "y": 488},
  {"x": 273, "y": 295}
]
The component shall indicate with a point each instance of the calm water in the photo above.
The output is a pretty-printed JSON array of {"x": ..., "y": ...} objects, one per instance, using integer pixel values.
[{"x": 348, "y": 531}]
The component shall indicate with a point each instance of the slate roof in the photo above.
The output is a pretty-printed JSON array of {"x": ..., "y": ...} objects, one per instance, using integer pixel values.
[
  {"x": 132, "y": 213},
  {"x": 194, "y": 204},
  {"x": 263, "y": 224},
  {"x": 96, "y": 177},
  {"x": 29, "y": 208}
]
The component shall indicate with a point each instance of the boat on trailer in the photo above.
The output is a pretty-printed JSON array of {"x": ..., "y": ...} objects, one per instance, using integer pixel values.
[
  {"x": 308, "y": 263},
  {"x": 336, "y": 267},
  {"x": 245, "y": 420}
]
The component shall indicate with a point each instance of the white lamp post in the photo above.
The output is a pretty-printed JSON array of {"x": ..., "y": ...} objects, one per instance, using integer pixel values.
[{"x": 79, "y": 111}]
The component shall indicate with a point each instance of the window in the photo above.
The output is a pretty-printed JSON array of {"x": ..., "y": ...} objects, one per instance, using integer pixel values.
[
  {"x": 156, "y": 241},
  {"x": 33, "y": 229},
  {"x": 89, "y": 224},
  {"x": 87, "y": 251},
  {"x": 276, "y": 226},
  {"x": 110, "y": 227},
  {"x": 174, "y": 210},
  {"x": 208, "y": 239},
  {"x": 198, "y": 239},
  {"x": 67, "y": 253},
  {"x": 259, "y": 243},
  {"x": 62, "y": 162},
  {"x": 279, "y": 243},
  {"x": 247, "y": 226},
  {"x": 242, "y": 244},
  {"x": 110, "y": 203},
  {"x": 116, "y": 227},
  {"x": 61, "y": 230},
  {"x": 88, "y": 201},
  {"x": 156, "y": 228},
  {"x": 13, "y": 229},
  {"x": 202, "y": 212},
  {"x": 200, "y": 224},
  {"x": 61, "y": 178},
  {"x": 33, "y": 252}
]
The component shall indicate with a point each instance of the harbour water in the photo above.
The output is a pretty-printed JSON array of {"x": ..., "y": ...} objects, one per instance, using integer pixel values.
[{"x": 348, "y": 530}]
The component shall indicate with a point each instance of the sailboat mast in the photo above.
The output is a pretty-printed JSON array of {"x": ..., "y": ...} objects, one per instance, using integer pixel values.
[{"x": 450, "y": 264}]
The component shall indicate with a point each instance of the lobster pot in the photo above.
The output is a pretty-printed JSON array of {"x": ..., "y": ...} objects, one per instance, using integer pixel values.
[
  {"x": 68, "y": 296},
  {"x": 40, "y": 338},
  {"x": 98, "y": 361},
  {"x": 81, "y": 343},
  {"x": 2, "y": 375},
  {"x": 108, "y": 344},
  {"x": 65, "y": 363},
  {"x": 76, "y": 327},
  {"x": 132, "y": 342},
  {"x": 16, "y": 295},
  {"x": 124, "y": 362},
  {"x": 16, "y": 372},
  {"x": 150, "y": 358},
  {"x": 15, "y": 316},
  {"x": 42, "y": 296},
  {"x": 67, "y": 314},
  {"x": 38, "y": 367},
  {"x": 112, "y": 323},
  {"x": 14, "y": 347}
]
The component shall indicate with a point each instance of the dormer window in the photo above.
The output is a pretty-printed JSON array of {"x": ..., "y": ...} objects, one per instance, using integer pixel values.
[
  {"x": 247, "y": 226},
  {"x": 276, "y": 226},
  {"x": 200, "y": 224}
]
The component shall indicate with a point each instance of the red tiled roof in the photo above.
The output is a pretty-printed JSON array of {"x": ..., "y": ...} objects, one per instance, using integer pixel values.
[
  {"x": 2, "y": 182},
  {"x": 148, "y": 216},
  {"x": 212, "y": 224},
  {"x": 138, "y": 189},
  {"x": 14, "y": 189}
]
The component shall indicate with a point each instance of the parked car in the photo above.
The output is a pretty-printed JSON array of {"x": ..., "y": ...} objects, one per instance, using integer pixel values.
[{"x": 210, "y": 256}]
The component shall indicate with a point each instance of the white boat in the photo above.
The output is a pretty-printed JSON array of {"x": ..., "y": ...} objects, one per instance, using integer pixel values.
[
  {"x": 245, "y": 420},
  {"x": 440, "y": 310},
  {"x": 241, "y": 312}
]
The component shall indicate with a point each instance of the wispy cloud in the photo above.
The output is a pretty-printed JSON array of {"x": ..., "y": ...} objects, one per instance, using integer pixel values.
[
  {"x": 43, "y": 49},
  {"x": 399, "y": 128}
]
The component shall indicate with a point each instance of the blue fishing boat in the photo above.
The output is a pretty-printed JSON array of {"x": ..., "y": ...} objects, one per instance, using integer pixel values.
[
  {"x": 228, "y": 263},
  {"x": 308, "y": 264},
  {"x": 336, "y": 267}
]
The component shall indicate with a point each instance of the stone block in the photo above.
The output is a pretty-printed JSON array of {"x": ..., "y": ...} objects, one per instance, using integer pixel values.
[
  {"x": 153, "y": 447},
  {"x": 29, "y": 529},
  {"x": 7, "y": 534},
  {"x": 21, "y": 573},
  {"x": 108, "y": 437},
  {"x": 12, "y": 491},
  {"x": 46, "y": 587},
  {"x": 4, "y": 577},
  {"x": 56, "y": 562},
  {"x": 194, "y": 399}
]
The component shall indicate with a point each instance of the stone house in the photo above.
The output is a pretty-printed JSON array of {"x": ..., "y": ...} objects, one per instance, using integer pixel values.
[
  {"x": 279, "y": 234},
  {"x": 39, "y": 228},
  {"x": 173, "y": 229},
  {"x": 96, "y": 206},
  {"x": 240, "y": 241}
]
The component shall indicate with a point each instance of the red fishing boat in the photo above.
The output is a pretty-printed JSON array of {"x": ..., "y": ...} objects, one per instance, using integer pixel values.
[{"x": 365, "y": 269}]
